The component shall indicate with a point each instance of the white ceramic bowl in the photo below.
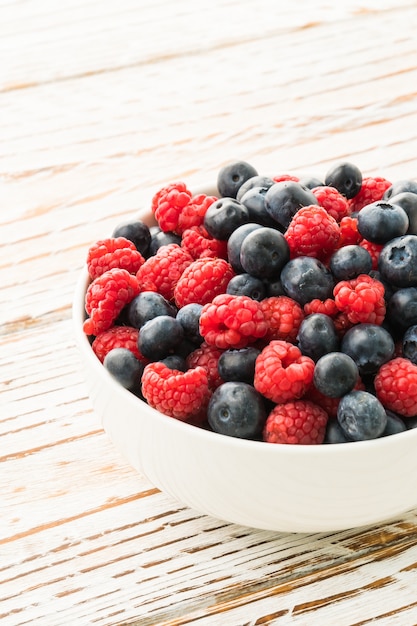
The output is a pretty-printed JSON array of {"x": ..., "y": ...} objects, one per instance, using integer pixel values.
[{"x": 295, "y": 488}]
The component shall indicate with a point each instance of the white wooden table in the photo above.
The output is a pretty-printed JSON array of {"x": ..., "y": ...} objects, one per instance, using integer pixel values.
[{"x": 102, "y": 103}]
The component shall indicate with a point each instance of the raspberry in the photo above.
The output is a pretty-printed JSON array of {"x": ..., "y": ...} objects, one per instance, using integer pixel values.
[
  {"x": 232, "y": 321},
  {"x": 332, "y": 200},
  {"x": 299, "y": 422},
  {"x": 199, "y": 243},
  {"x": 207, "y": 357},
  {"x": 312, "y": 232},
  {"x": 113, "y": 252},
  {"x": 282, "y": 373},
  {"x": 175, "y": 393},
  {"x": 361, "y": 299},
  {"x": 162, "y": 271},
  {"x": 396, "y": 386},
  {"x": 202, "y": 280},
  {"x": 193, "y": 213},
  {"x": 372, "y": 190},
  {"x": 328, "y": 307},
  {"x": 279, "y": 178},
  {"x": 168, "y": 203},
  {"x": 349, "y": 234},
  {"x": 284, "y": 316},
  {"x": 117, "y": 337},
  {"x": 106, "y": 296},
  {"x": 374, "y": 250}
]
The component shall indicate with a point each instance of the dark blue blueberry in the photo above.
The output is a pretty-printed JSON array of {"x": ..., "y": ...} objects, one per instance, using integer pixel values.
[
  {"x": 400, "y": 186},
  {"x": 254, "y": 201},
  {"x": 236, "y": 409},
  {"x": 256, "y": 181},
  {"x": 175, "y": 362},
  {"x": 397, "y": 261},
  {"x": 346, "y": 178},
  {"x": 137, "y": 232},
  {"x": 305, "y": 278},
  {"x": 311, "y": 182},
  {"x": 361, "y": 416},
  {"x": 395, "y": 424},
  {"x": 409, "y": 344},
  {"x": 124, "y": 367},
  {"x": 264, "y": 252},
  {"x": 284, "y": 199},
  {"x": 369, "y": 345},
  {"x": 334, "y": 433},
  {"x": 350, "y": 261},
  {"x": 232, "y": 176},
  {"x": 238, "y": 365},
  {"x": 402, "y": 308},
  {"x": 381, "y": 221},
  {"x": 160, "y": 337},
  {"x": 411, "y": 422},
  {"x": 246, "y": 285},
  {"x": 234, "y": 244},
  {"x": 273, "y": 287},
  {"x": 335, "y": 374},
  {"x": 317, "y": 336},
  {"x": 408, "y": 201},
  {"x": 146, "y": 306},
  {"x": 224, "y": 216},
  {"x": 189, "y": 318},
  {"x": 159, "y": 238}
]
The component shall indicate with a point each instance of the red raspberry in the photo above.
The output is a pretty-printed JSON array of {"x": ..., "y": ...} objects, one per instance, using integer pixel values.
[
  {"x": 162, "y": 271},
  {"x": 298, "y": 422},
  {"x": 374, "y": 250},
  {"x": 106, "y": 296},
  {"x": 282, "y": 372},
  {"x": 284, "y": 316},
  {"x": 202, "y": 280},
  {"x": 113, "y": 252},
  {"x": 208, "y": 357},
  {"x": 117, "y": 337},
  {"x": 279, "y": 178},
  {"x": 312, "y": 232},
  {"x": 342, "y": 324},
  {"x": 232, "y": 321},
  {"x": 349, "y": 234},
  {"x": 175, "y": 393},
  {"x": 372, "y": 190},
  {"x": 197, "y": 241},
  {"x": 396, "y": 386},
  {"x": 168, "y": 203},
  {"x": 328, "y": 307},
  {"x": 193, "y": 213},
  {"x": 361, "y": 299},
  {"x": 332, "y": 200}
]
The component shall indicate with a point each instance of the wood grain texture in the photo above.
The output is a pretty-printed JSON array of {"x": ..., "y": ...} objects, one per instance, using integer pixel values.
[{"x": 101, "y": 104}]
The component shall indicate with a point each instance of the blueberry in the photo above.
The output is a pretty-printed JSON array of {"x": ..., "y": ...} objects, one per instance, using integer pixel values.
[
  {"x": 394, "y": 424},
  {"x": 346, "y": 178},
  {"x": 409, "y": 344},
  {"x": 411, "y": 422},
  {"x": 137, "y": 232},
  {"x": 381, "y": 221},
  {"x": 334, "y": 433},
  {"x": 224, "y": 216},
  {"x": 238, "y": 365},
  {"x": 175, "y": 362},
  {"x": 273, "y": 287},
  {"x": 264, "y": 252},
  {"x": 317, "y": 336},
  {"x": 369, "y": 345},
  {"x": 397, "y": 261},
  {"x": 232, "y": 176},
  {"x": 284, "y": 199},
  {"x": 350, "y": 261},
  {"x": 256, "y": 181},
  {"x": 400, "y": 186},
  {"x": 246, "y": 285},
  {"x": 146, "y": 306},
  {"x": 335, "y": 374},
  {"x": 254, "y": 201},
  {"x": 311, "y": 182},
  {"x": 402, "y": 308},
  {"x": 189, "y": 318},
  {"x": 305, "y": 278},
  {"x": 361, "y": 416},
  {"x": 124, "y": 367},
  {"x": 236, "y": 409},
  {"x": 234, "y": 244},
  {"x": 408, "y": 201},
  {"x": 159, "y": 238},
  {"x": 160, "y": 337}
]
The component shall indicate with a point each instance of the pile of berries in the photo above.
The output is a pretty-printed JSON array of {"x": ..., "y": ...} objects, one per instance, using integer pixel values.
[{"x": 282, "y": 310}]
